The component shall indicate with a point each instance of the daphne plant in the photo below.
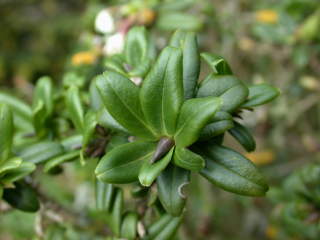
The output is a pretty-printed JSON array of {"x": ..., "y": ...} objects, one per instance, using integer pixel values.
[{"x": 178, "y": 122}]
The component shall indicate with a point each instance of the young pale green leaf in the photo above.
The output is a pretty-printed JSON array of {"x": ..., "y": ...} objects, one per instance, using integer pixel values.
[
  {"x": 95, "y": 99},
  {"x": 142, "y": 69},
  {"x": 105, "y": 194},
  {"x": 220, "y": 123},
  {"x": 187, "y": 159},
  {"x": 42, "y": 151},
  {"x": 122, "y": 164},
  {"x": 129, "y": 226},
  {"x": 22, "y": 197},
  {"x": 260, "y": 94},
  {"x": 44, "y": 92},
  {"x": 174, "y": 20},
  {"x": 115, "y": 214},
  {"x": 243, "y": 136},
  {"x": 150, "y": 171},
  {"x": 121, "y": 98},
  {"x": 6, "y": 135},
  {"x": 136, "y": 46},
  {"x": 115, "y": 63},
  {"x": 170, "y": 185},
  {"x": 232, "y": 172},
  {"x": 164, "y": 228},
  {"x": 73, "y": 79},
  {"x": 90, "y": 123},
  {"x": 187, "y": 41},
  {"x": 24, "y": 169},
  {"x": 9, "y": 165},
  {"x": 75, "y": 108},
  {"x": 194, "y": 115},
  {"x": 218, "y": 64},
  {"x": 161, "y": 93},
  {"x": 56, "y": 161},
  {"x": 231, "y": 90}
]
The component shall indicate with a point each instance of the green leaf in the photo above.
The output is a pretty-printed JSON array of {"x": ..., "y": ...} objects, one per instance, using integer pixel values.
[
  {"x": 17, "y": 106},
  {"x": 115, "y": 63},
  {"x": 90, "y": 123},
  {"x": 43, "y": 92},
  {"x": 75, "y": 108},
  {"x": 142, "y": 69},
  {"x": 24, "y": 169},
  {"x": 187, "y": 41},
  {"x": 94, "y": 95},
  {"x": 40, "y": 152},
  {"x": 122, "y": 164},
  {"x": 56, "y": 161},
  {"x": 231, "y": 90},
  {"x": 39, "y": 114},
  {"x": 174, "y": 20},
  {"x": 187, "y": 159},
  {"x": 136, "y": 46},
  {"x": 260, "y": 94},
  {"x": 121, "y": 98},
  {"x": 115, "y": 214},
  {"x": 164, "y": 228},
  {"x": 150, "y": 171},
  {"x": 106, "y": 120},
  {"x": 218, "y": 64},
  {"x": 72, "y": 142},
  {"x": 243, "y": 136},
  {"x": 170, "y": 184},
  {"x": 161, "y": 93},
  {"x": 6, "y": 135},
  {"x": 22, "y": 197},
  {"x": 220, "y": 123},
  {"x": 105, "y": 194},
  {"x": 194, "y": 115},
  {"x": 129, "y": 226},
  {"x": 232, "y": 172},
  {"x": 10, "y": 164}
]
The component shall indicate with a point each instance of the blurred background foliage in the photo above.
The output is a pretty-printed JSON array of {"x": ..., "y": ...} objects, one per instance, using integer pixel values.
[{"x": 264, "y": 41}]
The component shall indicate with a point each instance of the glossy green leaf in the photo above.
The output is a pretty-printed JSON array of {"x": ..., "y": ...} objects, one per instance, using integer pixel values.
[
  {"x": 75, "y": 108},
  {"x": 170, "y": 185},
  {"x": 150, "y": 171},
  {"x": 6, "y": 135},
  {"x": 122, "y": 164},
  {"x": 195, "y": 114},
  {"x": 187, "y": 41},
  {"x": 243, "y": 136},
  {"x": 231, "y": 90},
  {"x": 136, "y": 46},
  {"x": 121, "y": 98},
  {"x": 187, "y": 159},
  {"x": 22, "y": 197},
  {"x": 56, "y": 161},
  {"x": 115, "y": 63},
  {"x": 106, "y": 120},
  {"x": 164, "y": 228},
  {"x": 24, "y": 169},
  {"x": 41, "y": 152},
  {"x": 218, "y": 64},
  {"x": 233, "y": 172},
  {"x": 115, "y": 214},
  {"x": 105, "y": 194},
  {"x": 142, "y": 69},
  {"x": 220, "y": 123},
  {"x": 161, "y": 93},
  {"x": 129, "y": 226},
  {"x": 175, "y": 20},
  {"x": 260, "y": 94}
]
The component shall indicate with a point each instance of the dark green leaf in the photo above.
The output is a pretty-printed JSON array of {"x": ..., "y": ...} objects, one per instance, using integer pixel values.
[
  {"x": 243, "y": 136},
  {"x": 260, "y": 94},
  {"x": 105, "y": 194},
  {"x": 121, "y": 98},
  {"x": 75, "y": 108},
  {"x": 231, "y": 90},
  {"x": 232, "y": 171},
  {"x": 194, "y": 115},
  {"x": 106, "y": 120},
  {"x": 161, "y": 93},
  {"x": 220, "y": 123},
  {"x": 218, "y": 64},
  {"x": 187, "y": 159},
  {"x": 115, "y": 214},
  {"x": 170, "y": 185},
  {"x": 129, "y": 226},
  {"x": 6, "y": 135},
  {"x": 22, "y": 197},
  {"x": 122, "y": 164},
  {"x": 150, "y": 171}
]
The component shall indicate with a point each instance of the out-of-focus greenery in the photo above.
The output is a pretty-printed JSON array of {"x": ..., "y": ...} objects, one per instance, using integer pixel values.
[{"x": 272, "y": 41}]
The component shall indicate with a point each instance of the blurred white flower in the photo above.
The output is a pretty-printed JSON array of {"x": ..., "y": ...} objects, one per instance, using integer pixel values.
[
  {"x": 104, "y": 22},
  {"x": 114, "y": 44}
]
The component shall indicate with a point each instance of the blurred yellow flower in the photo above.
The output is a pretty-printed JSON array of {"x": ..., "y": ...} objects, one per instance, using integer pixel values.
[
  {"x": 271, "y": 232},
  {"x": 261, "y": 158},
  {"x": 267, "y": 16},
  {"x": 146, "y": 16},
  {"x": 85, "y": 57}
]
